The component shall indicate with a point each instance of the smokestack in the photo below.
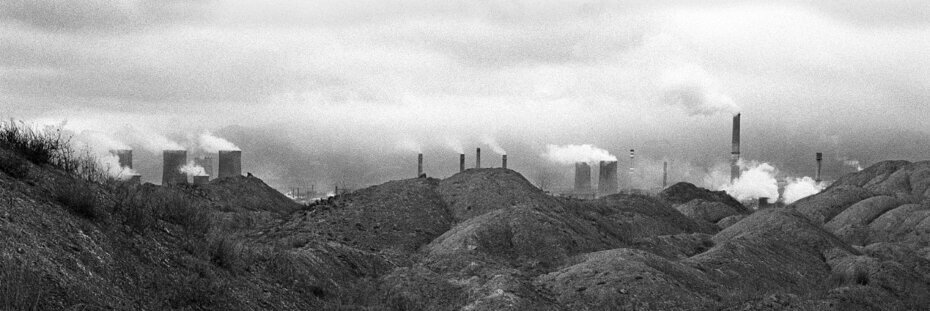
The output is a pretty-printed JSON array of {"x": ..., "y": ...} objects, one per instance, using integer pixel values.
[
  {"x": 632, "y": 170},
  {"x": 582, "y": 177},
  {"x": 125, "y": 157},
  {"x": 734, "y": 155},
  {"x": 504, "y": 161},
  {"x": 230, "y": 163},
  {"x": 419, "y": 165},
  {"x": 664, "y": 174},
  {"x": 819, "y": 164},
  {"x": 607, "y": 178},
  {"x": 201, "y": 180},
  {"x": 478, "y": 158},
  {"x": 171, "y": 171},
  {"x": 461, "y": 162},
  {"x": 207, "y": 163}
]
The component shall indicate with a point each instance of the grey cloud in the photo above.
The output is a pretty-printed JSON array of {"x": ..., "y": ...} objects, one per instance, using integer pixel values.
[{"x": 97, "y": 15}]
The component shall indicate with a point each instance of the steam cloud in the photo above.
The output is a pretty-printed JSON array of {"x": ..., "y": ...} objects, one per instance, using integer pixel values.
[
  {"x": 100, "y": 146},
  {"x": 570, "y": 154},
  {"x": 151, "y": 140},
  {"x": 696, "y": 91},
  {"x": 213, "y": 144},
  {"x": 756, "y": 181},
  {"x": 491, "y": 142},
  {"x": 192, "y": 169},
  {"x": 799, "y": 188}
]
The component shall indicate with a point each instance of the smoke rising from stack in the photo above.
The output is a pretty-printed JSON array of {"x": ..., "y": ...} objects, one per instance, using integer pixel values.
[
  {"x": 570, "y": 154},
  {"x": 112, "y": 155},
  {"x": 150, "y": 140},
  {"x": 409, "y": 145},
  {"x": 695, "y": 91},
  {"x": 491, "y": 142},
  {"x": 455, "y": 145},
  {"x": 193, "y": 169},
  {"x": 758, "y": 180},
  {"x": 213, "y": 144},
  {"x": 799, "y": 188}
]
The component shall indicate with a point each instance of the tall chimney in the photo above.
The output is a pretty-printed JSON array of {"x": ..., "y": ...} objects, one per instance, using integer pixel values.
[
  {"x": 419, "y": 165},
  {"x": 504, "y": 161},
  {"x": 664, "y": 174},
  {"x": 819, "y": 164},
  {"x": 171, "y": 170},
  {"x": 582, "y": 177},
  {"x": 734, "y": 155},
  {"x": 230, "y": 163},
  {"x": 607, "y": 178},
  {"x": 125, "y": 157},
  {"x": 461, "y": 162},
  {"x": 478, "y": 158},
  {"x": 632, "y": 170}
]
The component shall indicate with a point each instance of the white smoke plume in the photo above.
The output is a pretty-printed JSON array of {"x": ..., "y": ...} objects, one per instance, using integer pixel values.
[
  {"x": 150, "y": 140},
  {"x": 213, "y": 144},
  {"x": 570, "y": 154},
  {"x": 757, "y": 180},
  {"x": 455, "y": 144},
  {"x": 491, "y": 142},
  {"x": 693, "y": 89},
  {"x": 799, "y": 188},
  {"x": 853, "y": 163},
  {"x": 411, "y": 145},
  {"x": 192, "y": 169},
  {"x": 101, "y": 145}
]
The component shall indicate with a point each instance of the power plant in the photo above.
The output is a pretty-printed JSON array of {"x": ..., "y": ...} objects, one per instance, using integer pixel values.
[
  {"x": 582, "y": 178},
  {"x": 230, "y": 163},
  {"x": 632, "y": 170},
  {"x": 664, "y": 174},
  {"x": 461, "y": 162},
  {"x": 607, "y": 178},
  {"x": 419, "y": 165},
  {"x": 206, "y": 162},
  {"x": 171, "y": 170},
  {"x": 734, "y": 155},
  {"x": 504, "y": 161}
]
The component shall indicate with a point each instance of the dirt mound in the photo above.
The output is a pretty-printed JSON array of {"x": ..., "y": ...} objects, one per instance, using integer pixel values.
[
  {"x": 626, "y": 279},
  {"x": 823, "y": 206},
  {"x": 478, "y": 191},
  {"x": 246, "y": 193},
  {"x": 684, "y": 192},
  {"x": 706, "y": 211},
  {"x": 399, "y": 216}
]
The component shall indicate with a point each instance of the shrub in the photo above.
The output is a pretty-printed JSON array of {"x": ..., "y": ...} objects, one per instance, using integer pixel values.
[
  {"x": 20, "y": 288},
  {"x": 15, "y": 167},
  {"x": 40, "y": 146},
  {"x": 177, "y": 209},
  {"x": 80, "y": 200},
  {"x": 227, "y": 253}
]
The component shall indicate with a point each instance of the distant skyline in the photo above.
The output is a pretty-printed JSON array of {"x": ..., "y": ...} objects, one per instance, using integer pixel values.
[{"x": 324, "y": 82}]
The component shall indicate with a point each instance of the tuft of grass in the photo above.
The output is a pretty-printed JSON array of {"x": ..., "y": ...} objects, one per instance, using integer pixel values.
[
  {"x": 15, "y": 167},
  {"x": 20, "y": 288},
  {"x": 39, "y": 146},
  {"x": 80, "y": 200},
  {"x": 227, "y": 253},
  {"x": 177, "y": 209}
]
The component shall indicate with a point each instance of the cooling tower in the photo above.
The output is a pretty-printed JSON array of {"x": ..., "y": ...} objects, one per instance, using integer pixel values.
[
  {"x": 734, "y": 155},
  {"x": 171, "y": 170},
  {"x": 819, "y": 165},
  {"x": 207, "y": 163},
  {"x": 763, "y": 202},
  {"x": 201, "y": 180},
  {"x": 419, "y": 165},
  {"x": 125, "y": 157},
  {"x": 478, "y": 158},
  {"x": 461, "y": 162},
  {"x": 582, "y": 177},
  {"x": 607, "y": 178},
  {"x": 504, "y": 161},
  {"x": 230, "y": 163}
]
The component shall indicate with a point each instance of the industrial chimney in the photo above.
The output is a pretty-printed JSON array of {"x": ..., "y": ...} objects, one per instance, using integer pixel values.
[
  {"x": 230, "y": 163},
  {"x": 419, "y": 165},
  {"x": 607, "y": 178},
  {"x": 461, "y": 162},
  {"x": 504, "y": 161},
  {"x": 819, "y": 165},
  {"x": 171, "y": 171},
  {"x": 763, "y": 202},
  {"x": 478, "y": 158},
  {"x": 734, "y": 155},
  {"x": 664, "y": 174},
  {"x": 632, "y": 170},
  {"x": 582, "y": 177}
]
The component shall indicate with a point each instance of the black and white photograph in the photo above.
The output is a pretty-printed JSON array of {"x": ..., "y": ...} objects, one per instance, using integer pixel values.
[{"x": 457, "y": 155}]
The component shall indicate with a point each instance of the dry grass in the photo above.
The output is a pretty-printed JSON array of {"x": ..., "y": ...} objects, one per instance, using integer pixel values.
[{"x": 20, "y": 288}]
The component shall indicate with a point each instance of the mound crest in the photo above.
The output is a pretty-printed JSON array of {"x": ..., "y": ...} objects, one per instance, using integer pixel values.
[{"x": 478, "y": 191}]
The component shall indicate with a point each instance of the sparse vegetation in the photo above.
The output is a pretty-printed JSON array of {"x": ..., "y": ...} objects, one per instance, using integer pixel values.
[
  {"x": 20, "y": 288},
  {"x": 15, "y": 167},
  {"x": 81, "y": 200},
  {"x": 39, "y": 146}
]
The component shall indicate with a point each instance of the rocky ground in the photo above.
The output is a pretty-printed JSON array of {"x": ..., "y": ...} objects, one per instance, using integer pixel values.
[{"x": 483, "y": 239}]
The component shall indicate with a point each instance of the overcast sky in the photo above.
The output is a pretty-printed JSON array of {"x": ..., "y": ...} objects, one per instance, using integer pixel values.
[{"x": 351, "y": 80}]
